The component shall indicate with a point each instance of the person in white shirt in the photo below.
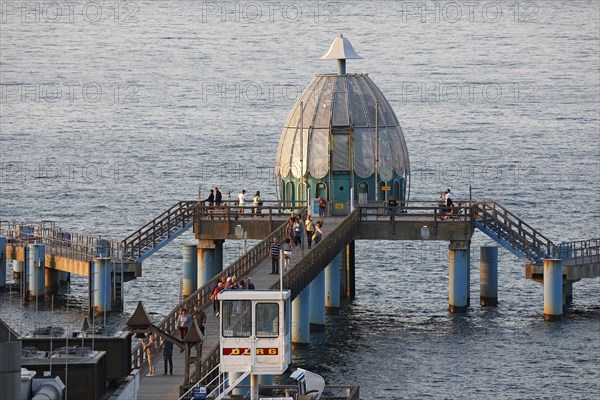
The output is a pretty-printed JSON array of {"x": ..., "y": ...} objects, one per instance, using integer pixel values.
[
  {"x": 242, "y": 200},
  {"x": 448, "y": 198}
]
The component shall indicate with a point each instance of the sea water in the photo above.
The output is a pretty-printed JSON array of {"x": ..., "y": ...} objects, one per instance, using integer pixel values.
[{"x": 114, "y": 111}]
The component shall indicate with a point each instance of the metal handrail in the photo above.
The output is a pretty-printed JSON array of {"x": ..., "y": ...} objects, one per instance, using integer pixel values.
[
  {"x": 74, "y": 245},
  {"x": 235, "y": 212},
  {"x": 462, "y": 213},
  {"x": 581, "y": 251}
]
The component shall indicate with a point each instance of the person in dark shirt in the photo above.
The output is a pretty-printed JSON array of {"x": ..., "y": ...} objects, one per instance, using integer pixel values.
[
  {"x": 275, "y": 248},
  {"x": 218, "y": 197},
  {"x": 211, "y": 198},
  {"x": 168, "y": 356}
]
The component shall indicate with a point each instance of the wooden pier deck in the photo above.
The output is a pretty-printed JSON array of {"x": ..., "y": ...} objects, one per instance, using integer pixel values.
[{"x": 159, "y": 386}]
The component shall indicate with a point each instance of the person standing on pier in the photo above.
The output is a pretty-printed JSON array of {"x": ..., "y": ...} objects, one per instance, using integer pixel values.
[
  {"x": 211, "y": 198},
  {"x": 322, "y": 208},
  {"x": 298, "y": 231},
  {"x": 218, "y": 289},
  {"x": 242, "y": 201},
  {"x": 318, "y": 235},
  {"x": 147, "y": 346},
  {"x": 287, "y": 254},
  {"x": 218, "y": 197},
  {"x": 168, "y": 356},
  {"x": 309, "y": 227},
  {"x": 183, "y": 323},
  {"x": 275, "y": 247},
  {"x": 256, "y": 203}
]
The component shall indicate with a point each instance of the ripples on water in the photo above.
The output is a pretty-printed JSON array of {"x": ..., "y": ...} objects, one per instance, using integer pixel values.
[{"x": 535, "y": 150}]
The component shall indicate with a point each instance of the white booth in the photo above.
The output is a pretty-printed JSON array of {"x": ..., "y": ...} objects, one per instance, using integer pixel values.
[{"x": 256, "y": 330}]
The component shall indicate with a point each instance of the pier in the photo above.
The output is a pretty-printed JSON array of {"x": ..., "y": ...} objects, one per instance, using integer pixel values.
[
  {"x": 342, "y": 144},
  {"x": 322, "y": 277}
]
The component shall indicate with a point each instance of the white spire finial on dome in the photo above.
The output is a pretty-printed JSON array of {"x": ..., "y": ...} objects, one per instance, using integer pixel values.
[{"x": 341, "y": 49}]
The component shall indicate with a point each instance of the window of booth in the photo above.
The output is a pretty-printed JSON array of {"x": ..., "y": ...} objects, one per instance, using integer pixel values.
[
  {"x": 237, "y": 318},
  {"x": 267, "y": 320}
]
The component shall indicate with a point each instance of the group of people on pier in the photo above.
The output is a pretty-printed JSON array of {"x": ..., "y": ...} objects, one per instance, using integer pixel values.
[
  {"x": 296, "y": 228},
  {"x": 215, "y": 199},
  {"x": 229, "y": 283}
]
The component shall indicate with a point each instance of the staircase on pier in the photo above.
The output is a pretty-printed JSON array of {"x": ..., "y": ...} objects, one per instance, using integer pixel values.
[
  {"x": 157, "y": 233},
  {"x": 511, "y": 232}
]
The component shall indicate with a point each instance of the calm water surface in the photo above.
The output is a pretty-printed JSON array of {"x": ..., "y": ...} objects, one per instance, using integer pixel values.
[{"x": 112, "y": 113}]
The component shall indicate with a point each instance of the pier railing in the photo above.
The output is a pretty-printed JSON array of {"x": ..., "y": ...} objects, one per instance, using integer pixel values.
[
  {"x": 417, "y": 210},
  {"x": 580, "y": 252},
  {"x": 72, "y": 245},
  {"x": 200, "y": 297},
  {"x": 228, "y": 211}
]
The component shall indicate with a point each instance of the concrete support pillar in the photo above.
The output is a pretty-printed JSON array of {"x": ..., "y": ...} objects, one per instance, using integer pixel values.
[
  {"x": 553, "y": 293},
  {"x": 101, "y": 287},
  {"x": 218, "y": 258},
  {"x": 18, "y": 267},
  {"x": 36, "y": 269},
  {"x": 351, "y": 270},
  {"x": 567, "y": 293},
  {"x": 488, "y": 276},
  {"x": 332, "y": 286},
  {"x": 458, "y": 280},
  {"x": 301, "y": 318},
  {"x": 190, "y": 270},
  {"x": 206, "y": 261},
  {"x": 317, "y": 302},
  {"x": 2, "y": 261},
  {"x": 52, "y": 281}
]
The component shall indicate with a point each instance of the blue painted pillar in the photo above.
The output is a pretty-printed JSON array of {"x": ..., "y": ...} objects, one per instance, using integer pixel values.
[
  {"x": 101, "y": 287},
  {"x": 458, "y": 279},
  {"x": 206, "y": 261},
  {"x": 301, "y": 318},
  {"x": 317, "y": 302},
  {"x": 218, "y": 259},
  {"x": 18, "y": 267},
  {"x": 2, "y": 261},
  {"x": 553, "y": 293},
  {"x": 332, "y": 286},
  {"x": 190, "y": 269},
  {"x": 36, "y": 269},
  {"x": 488, "y": 276},
  {"x": 567, "y": 293}
]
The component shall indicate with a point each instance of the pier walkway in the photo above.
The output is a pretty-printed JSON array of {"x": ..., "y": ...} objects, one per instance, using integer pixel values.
[{"x": 161, "y": 386}]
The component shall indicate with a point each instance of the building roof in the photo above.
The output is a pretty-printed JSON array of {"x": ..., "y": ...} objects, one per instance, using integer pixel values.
[{"x": 339, "y": 102}]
